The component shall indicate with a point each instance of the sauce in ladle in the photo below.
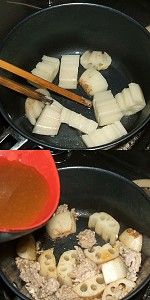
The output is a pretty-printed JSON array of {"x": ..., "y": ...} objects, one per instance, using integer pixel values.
[{"x": 24, "y": 193}]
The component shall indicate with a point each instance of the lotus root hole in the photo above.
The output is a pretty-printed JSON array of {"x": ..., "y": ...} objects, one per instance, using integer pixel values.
[
  {"x": 122, "y": 286},
  {"x": 100, "y": 280},
  {"x": 73, "y": 255},
  {"x": 83, "y": 287},
  {"x": 111, "y": 251},
  {"x": 113, "y": 289},
  {"x": 109, "y": 297},
  {"x": 93, "y": 287},
  {"x": 51, "y": 269},
  {"x": 66, "y": 257},
  {"x": 98, "y": 255},
  {"x": 48, "y": 256}
]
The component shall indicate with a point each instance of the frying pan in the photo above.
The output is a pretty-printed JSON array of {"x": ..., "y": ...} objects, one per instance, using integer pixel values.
[
  {"x": 69, "y": 29},
  {"x": 89, "y": 190}
]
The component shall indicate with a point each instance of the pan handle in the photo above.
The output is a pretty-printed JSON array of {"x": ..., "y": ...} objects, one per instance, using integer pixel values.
[{"x": 11, "y": 140}]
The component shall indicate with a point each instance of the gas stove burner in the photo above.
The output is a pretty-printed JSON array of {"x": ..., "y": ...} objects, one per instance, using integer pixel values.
[{"x": 61, "y": 156}]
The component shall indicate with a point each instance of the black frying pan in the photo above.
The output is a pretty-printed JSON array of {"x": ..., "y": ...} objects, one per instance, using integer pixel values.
[
  {"x": 89, "y": 190},
  {"x": 69, "y": 29}
]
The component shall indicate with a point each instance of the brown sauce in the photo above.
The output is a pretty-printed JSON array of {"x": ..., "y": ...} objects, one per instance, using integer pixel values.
[{"x": 24, "y": 193}]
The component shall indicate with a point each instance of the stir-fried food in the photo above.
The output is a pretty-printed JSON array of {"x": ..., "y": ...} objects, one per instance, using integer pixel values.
[
  {"x": 108, "y": 108},
  {"x": 89, "y": 270}
]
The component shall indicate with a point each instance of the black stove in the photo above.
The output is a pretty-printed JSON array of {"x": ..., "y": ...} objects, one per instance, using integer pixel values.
[{"x": 133, "y": 164}]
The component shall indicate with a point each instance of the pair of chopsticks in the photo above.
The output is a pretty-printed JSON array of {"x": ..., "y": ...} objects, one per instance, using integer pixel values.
[{"x": 42, "y": 82}]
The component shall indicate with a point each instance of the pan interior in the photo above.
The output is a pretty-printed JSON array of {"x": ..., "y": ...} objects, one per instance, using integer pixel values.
[
  {"x": 86, "y": 27},
  {"x": 90, "y": 190}
]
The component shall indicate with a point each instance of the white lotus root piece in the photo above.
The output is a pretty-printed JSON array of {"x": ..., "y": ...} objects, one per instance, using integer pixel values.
[
  {"x": 93, "y": 82},
  {"x": 98, "y": 60},
  {"x": 47, "y": 68},
  {"x": 105, "y": 226},
  {"x": 91, "y": 287},
  {"x": 113, "y": 270},
  {"x": 47, "y": 263},
  {"x": 61, "y": 225},
  {"x": 26, "y": 247},
  {"x": 77, "y": 121},
  {"x": 65, "y": 266},
  {"x": 106, "y": 109},
  {"x": 33, "y": 108},
  {"x": 131, "y": 99},
  {"x": 104, "y": 135},
  {"x": 132, "y": 239},
  {"x": 68, "y": 74},
  {"x": 49, "y": 121},
  {"x": 118, "y": 289},
  {"x": 102, "y": 254}
]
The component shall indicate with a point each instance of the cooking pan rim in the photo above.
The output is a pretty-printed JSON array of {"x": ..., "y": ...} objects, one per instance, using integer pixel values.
[
  {"x": 57, "y": 6},
  {"x": 96, "y": 169},
  {"x": 23, "y": 297},
  {"x": 28, "y": 136},
  {"x": 103, "y": 170},
  {"x": 115, "y": 143}
]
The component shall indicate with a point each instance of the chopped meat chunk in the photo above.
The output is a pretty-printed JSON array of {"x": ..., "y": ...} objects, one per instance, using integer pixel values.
[
  {"x": 66, "y": 293},
  {"x": 86, "y": 238},
  {"x": 80, "y": 254},
  {"x": 132, "y": 260},
  {"x": 39, "y": 287}
]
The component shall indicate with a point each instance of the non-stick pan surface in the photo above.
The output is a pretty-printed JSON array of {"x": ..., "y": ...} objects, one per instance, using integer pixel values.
[
  {"x": 70, "y": 29},
  {"x": 88, "y": 190}
]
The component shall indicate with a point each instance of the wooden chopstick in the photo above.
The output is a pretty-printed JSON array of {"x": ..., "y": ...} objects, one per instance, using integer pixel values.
[
  {"x": 44, "y": 83},
  {"x": 24, "y": 90}
]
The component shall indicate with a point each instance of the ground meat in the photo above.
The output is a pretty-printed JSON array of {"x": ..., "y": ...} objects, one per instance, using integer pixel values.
[
  {"x": 84, "y": 270},
  {"x": 80, "y": 254},
  {"x": 132, "y": 260},
  {"x": 39, "y": 287},
  {"x": 86, "y": 238},
  {"x": 66, "y": 293}
]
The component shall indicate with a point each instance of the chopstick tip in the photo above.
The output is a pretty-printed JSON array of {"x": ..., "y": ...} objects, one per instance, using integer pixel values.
[{"x": 87, "y": 102}]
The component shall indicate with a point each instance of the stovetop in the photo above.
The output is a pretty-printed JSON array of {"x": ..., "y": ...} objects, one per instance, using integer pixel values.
[{"x": 131, "y": 164}]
